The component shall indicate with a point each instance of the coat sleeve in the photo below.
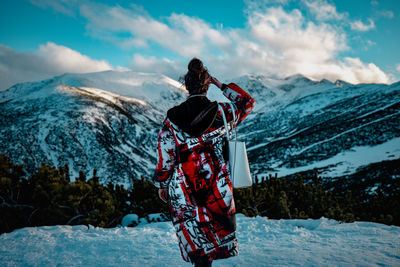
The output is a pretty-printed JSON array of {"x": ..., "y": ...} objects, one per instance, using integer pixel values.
[
  {"x": 166, "y": 154},
  {"x": 242, "y": 101}
]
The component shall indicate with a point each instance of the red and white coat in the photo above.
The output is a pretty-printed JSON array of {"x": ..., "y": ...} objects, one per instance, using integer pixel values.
[{"x": 196, "y": 172}]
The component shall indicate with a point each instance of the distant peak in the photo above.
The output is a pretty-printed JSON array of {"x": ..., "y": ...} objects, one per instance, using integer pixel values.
[
  {"x": 325, "y": 81},
  {"x": 297, "y": 77},
  {"x": 340, "y": 83}
]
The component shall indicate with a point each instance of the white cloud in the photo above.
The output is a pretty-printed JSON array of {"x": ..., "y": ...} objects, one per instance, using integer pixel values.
[
  {"x": 366, "y": 44},
  {"x": 289, "y": 45},
  {"x": 50, "y": 60},
  {"x": 171, "y": 68},
  {"x": 66, "y": 7},
  {"x": 398, "y": 67},
  {"x": 274, "y": 41},
  {"x": 353, "y": 70},
  {"x": 322, "y": 10},
  {"x": 290, "y": 35},
  {"x": 179, "y": 33},
  {"x": 252, "y": 5},
  {"x": 358, "y": 25},
  {"x": 64, "y": 59},
  {"x": 374, "y": 3},
  {"x": 386, "y": 14}
]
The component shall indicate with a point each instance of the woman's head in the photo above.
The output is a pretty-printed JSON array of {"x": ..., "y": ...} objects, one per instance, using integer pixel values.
[{"x": 197, "y": 79}]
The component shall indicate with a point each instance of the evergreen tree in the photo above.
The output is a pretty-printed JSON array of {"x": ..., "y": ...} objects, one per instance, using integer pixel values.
[{"x": 48, "y": 197}]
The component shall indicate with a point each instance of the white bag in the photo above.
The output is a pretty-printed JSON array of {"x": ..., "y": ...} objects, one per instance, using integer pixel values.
[{"x": 240, "y": 171}]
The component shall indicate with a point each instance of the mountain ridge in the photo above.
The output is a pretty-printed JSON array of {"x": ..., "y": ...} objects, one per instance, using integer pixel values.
[
  {"x": 110, "y": 120},
  {"x": 88, "y": 128}
]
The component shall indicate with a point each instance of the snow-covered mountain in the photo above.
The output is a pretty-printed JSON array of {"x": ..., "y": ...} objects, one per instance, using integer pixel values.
[
  {"x": 107, "y": 120},
  {"x": 110, "y": 120},
  {"x": 299, "y": 125}
]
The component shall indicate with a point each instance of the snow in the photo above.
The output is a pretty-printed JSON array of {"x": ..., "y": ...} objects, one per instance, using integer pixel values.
[
  {"x": 256, "y": 146},
  {"x": 344, "y": 133},
  {"x": 136, "y": 87},
  {"x": 147, "y": 87},
  {"x": 347, "y": 161},
  {"x": 262, "y": 242},
  {"x": 147, "y": 97},
  {"x": 156, "y": 217},
  {"x": 130, "y": 219},
  {"x": 77, "y": 114}
]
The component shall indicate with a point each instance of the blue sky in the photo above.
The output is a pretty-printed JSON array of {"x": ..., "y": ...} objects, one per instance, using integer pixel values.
[{"x": 353, "y": 40}]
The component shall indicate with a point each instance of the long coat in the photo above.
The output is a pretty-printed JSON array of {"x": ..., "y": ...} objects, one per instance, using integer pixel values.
[{"x": 193, "y": 164}]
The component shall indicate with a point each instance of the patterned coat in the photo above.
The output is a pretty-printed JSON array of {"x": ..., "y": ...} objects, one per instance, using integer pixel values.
[{"x": 193, "y": 164}]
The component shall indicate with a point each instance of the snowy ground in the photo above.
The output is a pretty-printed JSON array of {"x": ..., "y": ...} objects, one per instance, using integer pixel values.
[{"x": 262, "y": 242}]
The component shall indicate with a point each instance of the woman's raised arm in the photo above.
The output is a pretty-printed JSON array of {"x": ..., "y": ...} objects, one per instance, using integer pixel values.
[{"x": 242, "y": 101}]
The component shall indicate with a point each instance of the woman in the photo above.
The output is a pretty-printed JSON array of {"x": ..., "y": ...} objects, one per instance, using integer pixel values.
[{"x": 193, "y": 172}]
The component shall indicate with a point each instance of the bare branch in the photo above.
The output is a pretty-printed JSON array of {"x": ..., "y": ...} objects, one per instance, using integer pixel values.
[
  {"x": 64, "y": 207},
  {"x": 74, "y": 218},
  {"x": 113, "y": 220},
  {"x": 30, "y": 216}
]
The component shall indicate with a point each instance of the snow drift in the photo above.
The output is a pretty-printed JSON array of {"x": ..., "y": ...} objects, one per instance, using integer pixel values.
[{"x": 262, "y": 242}]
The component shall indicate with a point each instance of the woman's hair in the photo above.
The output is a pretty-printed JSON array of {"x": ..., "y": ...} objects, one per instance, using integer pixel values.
[{"x": 197, "y": 79}]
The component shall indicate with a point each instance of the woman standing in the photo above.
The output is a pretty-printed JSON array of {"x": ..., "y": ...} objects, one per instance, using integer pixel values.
[{"x": 193, "y": 172}]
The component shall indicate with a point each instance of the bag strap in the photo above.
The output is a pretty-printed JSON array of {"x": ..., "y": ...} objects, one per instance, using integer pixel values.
[
  {"x": 234, "y": 118},
  {"x": 224, "y": 119}
]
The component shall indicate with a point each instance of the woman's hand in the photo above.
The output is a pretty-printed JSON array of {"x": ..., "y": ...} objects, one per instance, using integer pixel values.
[
  {"x": 163, "y": 194},
  {"x": 216, "y": 82}
]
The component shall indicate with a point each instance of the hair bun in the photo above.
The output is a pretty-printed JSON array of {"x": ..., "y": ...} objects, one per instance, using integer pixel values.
[
  {"x": 197, "y": 79},
  {"x": 196, "y": 66}
]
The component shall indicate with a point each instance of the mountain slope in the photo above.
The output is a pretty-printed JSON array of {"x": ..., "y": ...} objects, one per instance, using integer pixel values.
[
  {"x": 110, "y": 120},
  {"x": 309, "y": 124},
  {"x": 67, "y": 120}
]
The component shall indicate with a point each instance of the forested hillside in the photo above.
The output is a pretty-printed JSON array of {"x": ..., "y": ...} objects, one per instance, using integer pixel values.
[{"x": 49, "y": 197}]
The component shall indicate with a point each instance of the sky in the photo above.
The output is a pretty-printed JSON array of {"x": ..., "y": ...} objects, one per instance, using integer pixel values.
[{"x": 355, "y": 41}]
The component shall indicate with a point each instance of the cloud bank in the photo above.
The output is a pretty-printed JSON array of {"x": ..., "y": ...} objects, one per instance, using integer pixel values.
[
  {"x": 49, "y": 60},
  {"x": 322, "y": 10},
  {"x": 274, "y": 41}
]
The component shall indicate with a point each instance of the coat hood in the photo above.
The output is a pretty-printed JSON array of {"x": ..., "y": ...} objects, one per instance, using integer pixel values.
[{"x": 195, "y": 115}]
